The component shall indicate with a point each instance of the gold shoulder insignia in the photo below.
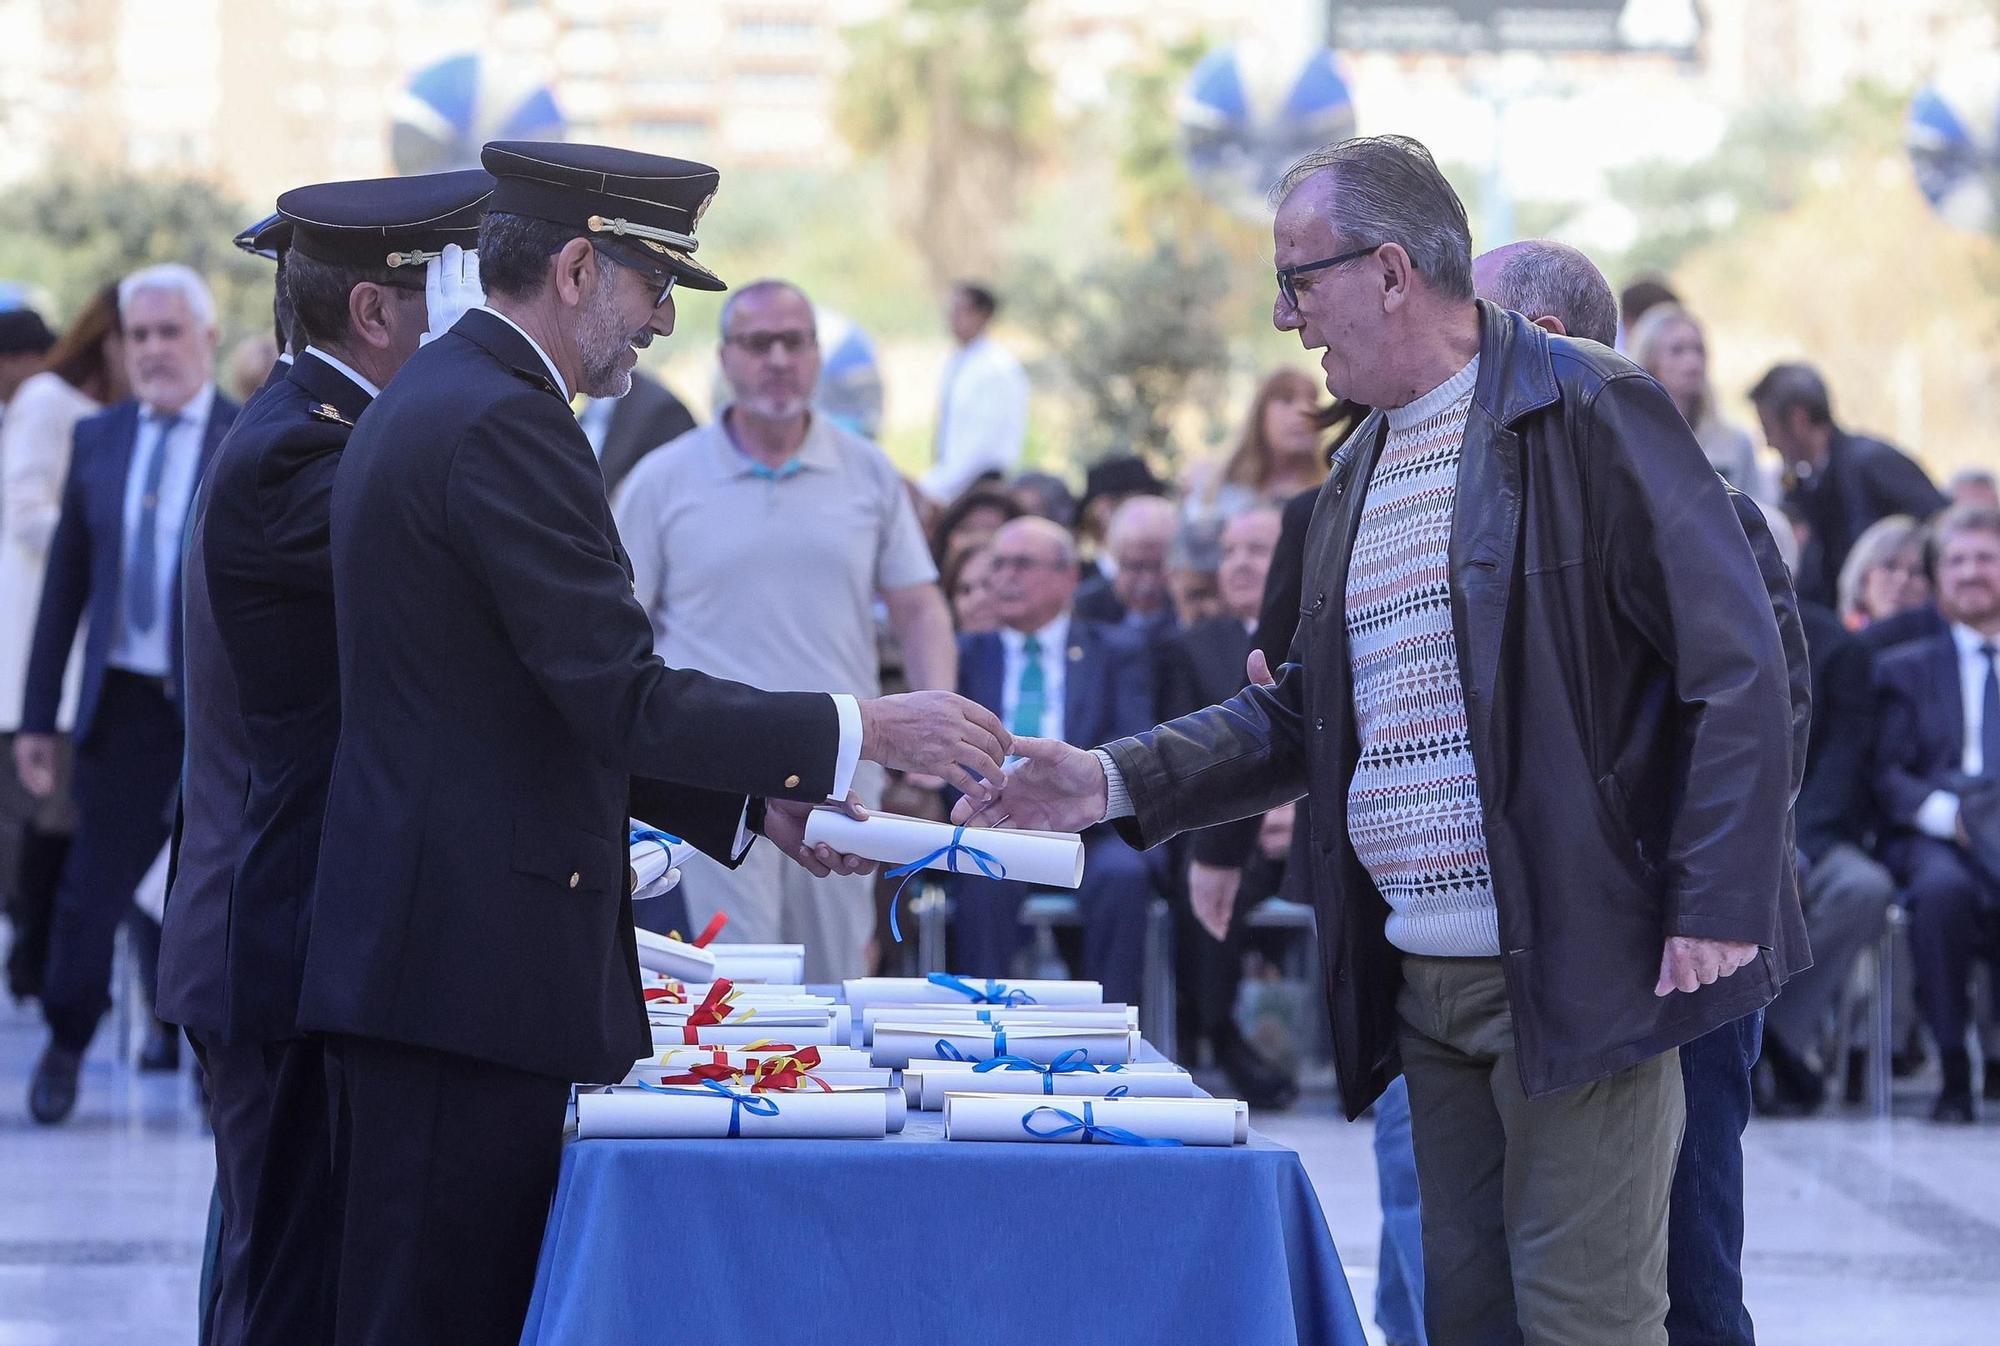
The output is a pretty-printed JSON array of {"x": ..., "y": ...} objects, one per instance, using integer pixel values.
[
  {"x": 326, "y": 411},
  {"x": 539, "y": 380}
]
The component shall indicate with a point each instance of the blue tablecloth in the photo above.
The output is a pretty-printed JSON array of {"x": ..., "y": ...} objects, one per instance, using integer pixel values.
[{"x": 912, "y": 1239}]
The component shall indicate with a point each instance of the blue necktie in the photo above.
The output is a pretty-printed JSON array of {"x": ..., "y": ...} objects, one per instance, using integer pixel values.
[
  {"x": 1030, "y": 694},
  {"x": 1989, "y": 718},
  {"x": 142, "y": 597}
]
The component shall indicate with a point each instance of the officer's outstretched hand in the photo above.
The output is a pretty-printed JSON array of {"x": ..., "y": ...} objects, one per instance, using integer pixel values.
[
  {"x": 937, "y": 734},
  {"x": 785, "y": 828},
  {"x": 451, "y": 289}
]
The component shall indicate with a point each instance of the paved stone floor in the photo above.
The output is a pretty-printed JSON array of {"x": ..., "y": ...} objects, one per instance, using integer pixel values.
[{"x": 1859, "y": 1232}]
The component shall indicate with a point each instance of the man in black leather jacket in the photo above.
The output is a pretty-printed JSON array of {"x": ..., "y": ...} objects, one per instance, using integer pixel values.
[{"x": 1627, "y": 715}]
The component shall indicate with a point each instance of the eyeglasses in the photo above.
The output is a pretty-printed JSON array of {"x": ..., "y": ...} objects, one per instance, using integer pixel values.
[
  {"x": 1002, "y": 564},
  {"x": 1288, "y": 275},
  {"x": 651, "y": 275},
  {"x": 760, "y": 344}
]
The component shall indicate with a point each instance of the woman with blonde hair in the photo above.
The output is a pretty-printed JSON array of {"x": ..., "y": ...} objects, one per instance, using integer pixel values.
[
  {"x": 1668, "y": 344},
  {"x": 1279, "y": 452},
  {"x": 1884, "y": 575}
]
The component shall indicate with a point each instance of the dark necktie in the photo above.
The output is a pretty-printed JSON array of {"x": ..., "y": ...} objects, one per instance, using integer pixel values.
[
  {"x": 142, "y": 596},
  {"x": 1031, "y": 692},
  {"x": 1989, "y": 718}
]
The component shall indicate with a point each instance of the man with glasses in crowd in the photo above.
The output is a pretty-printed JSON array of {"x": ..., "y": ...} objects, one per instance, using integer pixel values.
[{"x": 759, "y": 544}]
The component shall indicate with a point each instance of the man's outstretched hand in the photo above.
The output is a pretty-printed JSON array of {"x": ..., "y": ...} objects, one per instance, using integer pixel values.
[
  {"x": 936, "y": 734},
  {"x": 1690, "y": 964},
  {"x": 1053, "y": 787}
]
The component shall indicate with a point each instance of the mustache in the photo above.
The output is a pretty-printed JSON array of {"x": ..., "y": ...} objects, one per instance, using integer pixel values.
[{"x": 642, "y": 339}]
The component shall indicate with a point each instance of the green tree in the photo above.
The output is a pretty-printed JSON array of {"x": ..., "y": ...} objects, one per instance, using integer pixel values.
[
  {"x": 947, "y": 93},
  {"x": 1140, "y": 348},
  {"x": 69, "y": 234}
]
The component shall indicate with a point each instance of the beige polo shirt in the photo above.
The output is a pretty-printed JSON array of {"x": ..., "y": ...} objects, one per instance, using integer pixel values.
[{"x": 766, "y": 578}]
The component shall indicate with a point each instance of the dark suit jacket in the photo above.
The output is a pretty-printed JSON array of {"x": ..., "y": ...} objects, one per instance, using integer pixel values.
[
  {"x": 86, "y": 566},
  {"x": 1916, "y": 624},
  {"x": 498, "y": 689},
  {"x": 1108, "y": 687},
  {"x": 1919, "y": 728},
  {"x": 1864, "y": 480},
  {"x": 642, "y": 421},
  {"x": 1203, "y": 666},
  {"x": 1834, "y": 804},
  {"x": 215, "y": 778}
]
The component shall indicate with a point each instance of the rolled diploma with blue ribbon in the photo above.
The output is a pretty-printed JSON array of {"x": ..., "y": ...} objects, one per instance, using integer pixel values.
[
  {"x": 928, "y": 1082},
  {"x": 655, "y": 855},
  {"x": 1040, "y": 859},
  {"x": 899, "y": 1044},
  {"x": 1191, "y": 1121},
  {"x": 693, "y": 1114},
  {"x": 1022, "y": 1016},
  {"x": 862, "y": 992}
]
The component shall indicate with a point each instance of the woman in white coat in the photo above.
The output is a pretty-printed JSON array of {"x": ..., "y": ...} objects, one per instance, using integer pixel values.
[{"x": 83, "y": 373}]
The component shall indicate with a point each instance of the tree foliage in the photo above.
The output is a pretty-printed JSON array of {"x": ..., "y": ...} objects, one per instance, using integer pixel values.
[
  {"x": 947, "y": 93},
  {"x": 68, "y": 235}
]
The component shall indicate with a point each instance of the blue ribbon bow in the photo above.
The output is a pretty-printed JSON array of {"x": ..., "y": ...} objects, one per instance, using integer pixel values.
[
  {"x": 666, "y": 840},
  {"x": 946, "y": 1051},
  {"x": 996, "y": 992},
  {"x": 989, "y": 864},
  {"x": 757, "y": 1105},
  {"x": 1071, "y": 1062},
  {"x": 1069, "y": 1123}
]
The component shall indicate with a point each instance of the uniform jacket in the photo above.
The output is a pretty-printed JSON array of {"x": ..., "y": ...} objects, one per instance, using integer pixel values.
[{"x": 498, "y": 691}]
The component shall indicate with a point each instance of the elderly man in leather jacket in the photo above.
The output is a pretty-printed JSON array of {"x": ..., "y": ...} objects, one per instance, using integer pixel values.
[{"x": 1539, "y": 708}]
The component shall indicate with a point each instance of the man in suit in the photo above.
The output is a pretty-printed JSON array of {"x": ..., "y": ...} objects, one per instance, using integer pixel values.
[
  {"x": 1938, "y": 735},
  {"x": 622, "y": 430},
  {"x": 262, "y": 700},
  {"x": 1054, "y": 674},
  {"x": 115, "y": 558},
  {"x": 469, "y": 949},
  {"x": 1838, "y": 482},
  {"x": 1199, "y": 666}
]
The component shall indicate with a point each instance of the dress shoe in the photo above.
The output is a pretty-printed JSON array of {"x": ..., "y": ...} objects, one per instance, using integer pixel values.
[
  {"x": 1953, "y": 1109},
  {"x": 162, "y": 1051},
  {"x": 52, "y": 1091},
  {"x": 1254, "y": 1078}
]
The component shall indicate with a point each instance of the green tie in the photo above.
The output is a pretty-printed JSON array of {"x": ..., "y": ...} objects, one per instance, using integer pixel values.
[{"x": 1028, "y": 696}]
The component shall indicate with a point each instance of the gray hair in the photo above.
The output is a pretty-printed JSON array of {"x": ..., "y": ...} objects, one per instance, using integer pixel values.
[
  {"x": 768, "y": 285},
  {"x": 1141, "y": 513},
  {"x": 174, "y": 278},
  {"x": 1388, "y": 189},
  {"x": 1543, "y": 278},
  {"x": 1971, "y": 476}
]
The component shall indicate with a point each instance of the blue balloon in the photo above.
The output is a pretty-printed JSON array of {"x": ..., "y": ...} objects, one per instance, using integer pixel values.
[
  {"x": 1244, "y": 119},
  {"x": 1953, "y": 138},
  {"x": 456, "y": 105}
]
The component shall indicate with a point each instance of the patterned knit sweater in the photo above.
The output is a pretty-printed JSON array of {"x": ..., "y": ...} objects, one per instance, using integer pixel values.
[{"x": 1413, "y": 809}]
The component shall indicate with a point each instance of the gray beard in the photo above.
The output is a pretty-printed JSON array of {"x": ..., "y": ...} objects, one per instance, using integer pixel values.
[{"x": 601, "y": 343}]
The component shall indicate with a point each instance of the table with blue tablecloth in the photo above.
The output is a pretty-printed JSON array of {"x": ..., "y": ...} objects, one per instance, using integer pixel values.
[{"x": 914, "y": 1239}]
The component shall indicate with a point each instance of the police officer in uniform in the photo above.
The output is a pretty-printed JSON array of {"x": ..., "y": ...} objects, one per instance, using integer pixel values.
[
  {"x": 262, "y": 701},
  {"x": 470, "y": 951}
]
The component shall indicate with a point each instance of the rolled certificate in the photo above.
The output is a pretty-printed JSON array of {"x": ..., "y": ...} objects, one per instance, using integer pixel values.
[
  {"x": 655, "y": 855},
  {"x": 811, "y": 1058},
  {"x": 673, "y": 958},
  {"x": 934, "y": 1079},
  {"x": 818, "y": 1080},
  {"x": 777, "y": 964},
  {"x": 1102, "y": 1121},
  {"x": 944, "y": 988},
  {"x": 1024, "y": 1016},
  {"x": 897, "y": 1045},
  {"x": 740, "y": 1035},
  {"x": 1045, "y": 859},
  {"x": 635, "y": 1113}
]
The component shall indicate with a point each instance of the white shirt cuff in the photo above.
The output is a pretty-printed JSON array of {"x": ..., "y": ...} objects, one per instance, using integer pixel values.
[
  {"x": 849, "y": 755},
  {"x": 1117, "y": 799},
  {"x": 1937, "y": 816}
]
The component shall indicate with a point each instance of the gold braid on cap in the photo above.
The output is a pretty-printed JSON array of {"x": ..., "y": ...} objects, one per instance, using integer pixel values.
[
  {"x": 414, "y": 257},
  {"x": 597, "y": 224}
]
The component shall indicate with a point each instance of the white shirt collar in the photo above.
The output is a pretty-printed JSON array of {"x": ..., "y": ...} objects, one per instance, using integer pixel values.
[
  {"x": 1970, "y": 641},
  {"x": 346, "y": 370},
  {"x": 195, "y": 413},
  {"x": 1054, "y": 636},
  {"x": 555, "y": 374}
]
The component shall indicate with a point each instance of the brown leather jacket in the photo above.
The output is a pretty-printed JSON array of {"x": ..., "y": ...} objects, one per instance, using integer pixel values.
[{"x": 1633, "y": 722}]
